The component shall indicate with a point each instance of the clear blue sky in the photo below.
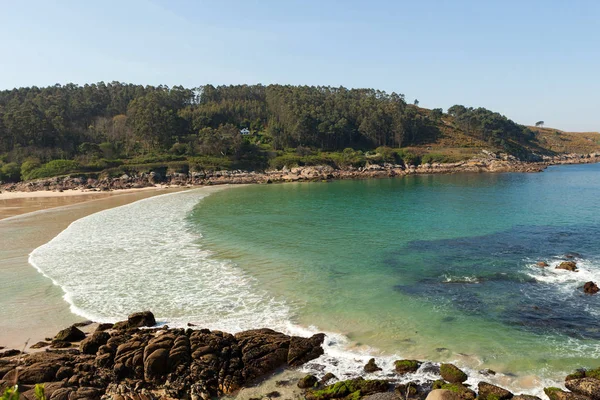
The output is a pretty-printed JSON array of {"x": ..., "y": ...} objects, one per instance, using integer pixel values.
[{"x": 530, "y": 60}]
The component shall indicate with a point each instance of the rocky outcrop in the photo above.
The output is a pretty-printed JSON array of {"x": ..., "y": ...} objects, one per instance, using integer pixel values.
[
  {"x": 181, "y": 363},
  {"x": 487, "y": 162},
  {"x": 585, "y": 386}
]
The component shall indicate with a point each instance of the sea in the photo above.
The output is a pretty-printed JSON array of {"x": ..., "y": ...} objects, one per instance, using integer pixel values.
[{"x": 438, "y": 268}]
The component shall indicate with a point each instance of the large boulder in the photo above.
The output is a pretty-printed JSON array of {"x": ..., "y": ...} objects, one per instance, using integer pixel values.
[
  {"x": 487, "y": 391},
  {"x": 141, "y": 319},
  {"x": 442, "y": 394},
  {"x": 463, "y": 392},
  {"x": 568, "y": 265},
  {"x": 452, "y": 373},
  {"x": 91, "y": 344},
  {"x": 554, "y": 393},
  {"x": 585, "y": 386},
  {"x": 40, "y": 372},
  {"x": 70, "y": 334}
]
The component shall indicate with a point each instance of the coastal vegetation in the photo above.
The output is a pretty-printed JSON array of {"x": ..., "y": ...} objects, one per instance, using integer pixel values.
[{"x": 119, "y": 128}]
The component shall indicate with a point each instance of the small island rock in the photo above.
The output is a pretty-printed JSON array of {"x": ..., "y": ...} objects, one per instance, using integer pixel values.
[
  {"x": 568, "y": 265},
  {"x": 590, "y": 288}
]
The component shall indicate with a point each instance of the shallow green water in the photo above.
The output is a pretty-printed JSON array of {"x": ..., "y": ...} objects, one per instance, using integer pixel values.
[{"x": 434, "y": 267}]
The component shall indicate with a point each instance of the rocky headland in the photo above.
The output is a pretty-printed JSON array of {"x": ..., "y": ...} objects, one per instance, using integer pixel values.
[
  {"x": 487, "y": 162},
  {"x": 133, "y": 359}
]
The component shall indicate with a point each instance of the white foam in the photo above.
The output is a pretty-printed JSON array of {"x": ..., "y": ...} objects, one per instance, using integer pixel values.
[
  {"x": 563, "y": 280},
  {"x": 144, "y": 256}
]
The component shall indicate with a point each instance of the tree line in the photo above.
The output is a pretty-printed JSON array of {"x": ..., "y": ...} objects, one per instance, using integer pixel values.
[{"x": 107, "y": 121}]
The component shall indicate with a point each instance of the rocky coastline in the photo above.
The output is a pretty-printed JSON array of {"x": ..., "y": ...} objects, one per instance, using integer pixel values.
[
  {"x": 134, "y": 359},
  {"x": 487, "y": 162}
]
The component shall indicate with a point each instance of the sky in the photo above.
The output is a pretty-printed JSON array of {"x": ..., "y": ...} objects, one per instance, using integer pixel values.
[{"x": 529, "y": 60}]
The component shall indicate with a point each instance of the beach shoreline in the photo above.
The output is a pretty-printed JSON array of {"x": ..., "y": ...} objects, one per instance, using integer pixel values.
[
  {"x": 75, "y": 184},
  {"x": 32, "y": 306}
]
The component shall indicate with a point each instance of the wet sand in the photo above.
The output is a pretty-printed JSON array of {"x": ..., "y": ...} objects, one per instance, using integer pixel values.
[{"x": 31, "y": 307}]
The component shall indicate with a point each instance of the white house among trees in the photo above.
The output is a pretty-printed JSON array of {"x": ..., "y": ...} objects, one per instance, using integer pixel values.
[{"x": 245, "y": 131}]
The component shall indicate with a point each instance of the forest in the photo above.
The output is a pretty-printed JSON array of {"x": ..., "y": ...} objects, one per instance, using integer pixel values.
[{"x": 71, "y": 128}]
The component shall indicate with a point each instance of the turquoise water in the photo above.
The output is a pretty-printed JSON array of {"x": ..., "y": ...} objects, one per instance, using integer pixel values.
[{"x": 438, "y": 267}]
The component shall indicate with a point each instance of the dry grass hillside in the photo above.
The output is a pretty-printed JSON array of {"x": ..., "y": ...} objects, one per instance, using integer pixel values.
[
  {"x": 559, "y": 141},
  {"x": 456, "y": 144}
]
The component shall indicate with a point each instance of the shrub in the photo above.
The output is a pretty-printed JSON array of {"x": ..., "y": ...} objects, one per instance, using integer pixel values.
[
  {"x": 10, "y": 172},
  {"x": 408, "y": 157},
  {"x": 28, "y": 166},
  {"x": 52, "y": 168}
]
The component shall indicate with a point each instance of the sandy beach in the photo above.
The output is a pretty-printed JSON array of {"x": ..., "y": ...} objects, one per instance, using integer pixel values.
[{"x": 31, "y": 307}]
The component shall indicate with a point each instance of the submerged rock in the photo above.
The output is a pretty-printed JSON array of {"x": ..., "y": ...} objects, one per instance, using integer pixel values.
[{"x": 542, "y": 264}]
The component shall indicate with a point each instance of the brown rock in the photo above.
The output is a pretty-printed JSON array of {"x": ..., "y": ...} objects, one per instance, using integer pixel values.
[
  {"x": 302, "y": 350},
  {"x": 91, "y": 344},
  {"x": 140, "y": 319},
  {"x": 487, "y": 391},
  {"x": 568, "y": 265},
  {"x": 590, "y": 288},
  {"x": 442, "y": 394},
  {"x": 309, "y": 381},
  {"x": 70, "y": 334},
  {"x": 371, "y": 366},
  {"x": 104, "y": 327},
  {"x": 585, "y": 386},
  {"x": 40, "y": 372},
  {"x": 9, "y": 353},
  {"x": 39, "y": 345},
  {"x": 60, "y": 344},
  {"x": 156, "y": 364},
  {"x": 542, "y": 264},
  {"x": 525, "y": 397}
]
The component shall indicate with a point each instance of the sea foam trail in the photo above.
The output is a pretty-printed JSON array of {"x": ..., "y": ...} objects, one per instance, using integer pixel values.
[{"x": 144, "y": 256}]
